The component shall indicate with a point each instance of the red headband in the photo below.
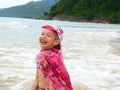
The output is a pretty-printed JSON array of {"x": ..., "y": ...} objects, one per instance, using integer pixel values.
[{"x": 56, "y": 29}]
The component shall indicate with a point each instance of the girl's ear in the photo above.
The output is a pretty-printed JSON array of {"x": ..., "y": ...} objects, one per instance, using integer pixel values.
[{"x": 56, "y": 42}]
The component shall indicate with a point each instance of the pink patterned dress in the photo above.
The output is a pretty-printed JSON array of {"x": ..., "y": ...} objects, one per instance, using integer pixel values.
[{"x": 56, "y": 72}]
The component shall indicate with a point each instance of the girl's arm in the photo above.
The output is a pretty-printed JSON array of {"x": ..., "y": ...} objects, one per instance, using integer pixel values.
[
  {"x": 51, "y": 86},
  {"x": 45, "y": 64},
  {"x": 36, "y": 83}
]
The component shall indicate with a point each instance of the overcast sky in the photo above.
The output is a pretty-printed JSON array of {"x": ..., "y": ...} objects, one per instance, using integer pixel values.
[{"x": 10, "y": 3}]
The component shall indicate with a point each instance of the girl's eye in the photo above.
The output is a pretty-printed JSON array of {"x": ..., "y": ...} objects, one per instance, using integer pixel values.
[
  {"x": 49, "y": 35},
  {"x": 42, "y": 33}
]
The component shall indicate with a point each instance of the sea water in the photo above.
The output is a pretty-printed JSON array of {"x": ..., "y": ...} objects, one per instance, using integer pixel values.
[{"x": 91, "y": 53}]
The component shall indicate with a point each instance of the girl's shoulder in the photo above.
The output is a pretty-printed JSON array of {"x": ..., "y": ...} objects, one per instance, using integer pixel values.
[
  {"x": 54, "y": 57},
  {"x": 53, "y": 52}
]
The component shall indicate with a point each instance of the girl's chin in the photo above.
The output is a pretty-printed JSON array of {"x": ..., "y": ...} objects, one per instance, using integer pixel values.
[{"x": 44, "y": 47}]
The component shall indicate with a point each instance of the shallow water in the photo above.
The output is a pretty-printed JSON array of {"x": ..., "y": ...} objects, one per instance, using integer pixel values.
[{"x": 91, "y": 53}]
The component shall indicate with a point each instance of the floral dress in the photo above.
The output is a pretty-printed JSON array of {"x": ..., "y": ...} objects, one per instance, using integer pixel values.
[{"x": 55, "y": 72}]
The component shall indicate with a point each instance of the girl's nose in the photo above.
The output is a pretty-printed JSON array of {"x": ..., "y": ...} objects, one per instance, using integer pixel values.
[{"x": 42, "y": 36}]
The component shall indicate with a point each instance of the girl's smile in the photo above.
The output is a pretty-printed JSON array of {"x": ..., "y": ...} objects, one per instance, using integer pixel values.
[{"x": 43, "y": 42}]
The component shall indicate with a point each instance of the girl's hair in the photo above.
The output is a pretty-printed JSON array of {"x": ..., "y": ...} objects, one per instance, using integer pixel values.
[{"x": 58, "y": 47}]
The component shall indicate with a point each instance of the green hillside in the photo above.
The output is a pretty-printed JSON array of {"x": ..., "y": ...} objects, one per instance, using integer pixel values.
[
  {"x": 108, "y": 10},
  {"x": 29, "y": 10}
]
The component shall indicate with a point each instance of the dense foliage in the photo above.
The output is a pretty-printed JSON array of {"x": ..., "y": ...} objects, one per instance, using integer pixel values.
[
  {"x": 108, "y": 10},
  {"x": 29, "y": 10}
]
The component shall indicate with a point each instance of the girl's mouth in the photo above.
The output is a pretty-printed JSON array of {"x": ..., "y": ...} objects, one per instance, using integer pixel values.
[{"x": 43, "y": 42}]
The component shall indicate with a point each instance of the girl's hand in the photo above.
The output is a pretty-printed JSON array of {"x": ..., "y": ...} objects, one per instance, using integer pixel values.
[{"x": 44, "y": 63}]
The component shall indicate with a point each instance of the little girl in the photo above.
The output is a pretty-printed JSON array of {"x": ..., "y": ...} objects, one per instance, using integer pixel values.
[{"x": 51, "y": 72}]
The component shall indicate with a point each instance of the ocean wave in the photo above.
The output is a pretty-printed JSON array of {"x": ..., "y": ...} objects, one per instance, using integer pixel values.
[
  {"x": 24, "y": 85},
  {"x": 27, "y": 85},
  {"x": 12, "y": 25},
  {"x": 91, "y": 54}
]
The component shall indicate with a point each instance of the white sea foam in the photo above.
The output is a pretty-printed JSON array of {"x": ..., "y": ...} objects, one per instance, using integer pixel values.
[
  {"x": 12, "y": 25},
  {"x": 91, "y": 55}
]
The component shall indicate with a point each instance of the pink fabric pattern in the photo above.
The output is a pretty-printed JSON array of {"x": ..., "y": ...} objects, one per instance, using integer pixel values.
[{"x": 56, "y": 72}]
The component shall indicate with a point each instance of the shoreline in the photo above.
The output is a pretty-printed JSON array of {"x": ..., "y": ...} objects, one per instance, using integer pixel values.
[
  {"x": 69, "y": 18},
  {"x": 77, "y": 19},
  {"x": 74, "y": 19}
]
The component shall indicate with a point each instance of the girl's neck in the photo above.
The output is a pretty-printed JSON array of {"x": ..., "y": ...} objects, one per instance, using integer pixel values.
[{"x": 48, "y": 49}]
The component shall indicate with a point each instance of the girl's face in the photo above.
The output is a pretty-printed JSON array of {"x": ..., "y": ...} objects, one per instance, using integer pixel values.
[{"x": 48, "y": 39}]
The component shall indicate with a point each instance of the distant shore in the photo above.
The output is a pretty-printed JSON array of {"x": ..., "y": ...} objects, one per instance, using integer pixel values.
[
  {"x": 73, "y": 19},
  {"x": 77, "y": 19}
]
